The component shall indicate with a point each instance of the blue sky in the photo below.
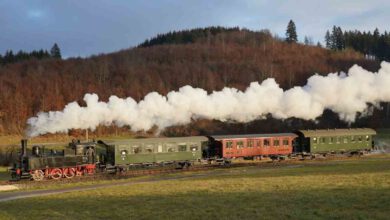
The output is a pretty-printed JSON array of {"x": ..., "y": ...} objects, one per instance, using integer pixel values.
[{"x": 83, "y": 28}]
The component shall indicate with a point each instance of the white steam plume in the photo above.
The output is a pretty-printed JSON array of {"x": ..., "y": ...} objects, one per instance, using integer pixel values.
[{"x": 344, "y": 94}]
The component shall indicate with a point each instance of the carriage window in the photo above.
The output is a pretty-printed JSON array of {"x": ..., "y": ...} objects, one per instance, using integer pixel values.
[
  {"x": 285, "y": 142},
  {"x": 345, "y": 140},
  {"x": 266, "y": 143},
  {"x": 159, "y": 148},
  {"x": 322, "y": 140},
  {"x": 315, "y": 140},
  {"x": 276, "y": 143},
  {"x": 229, "y": 144},
  {"x": 149, "y": 148},
  {"x": 360, "y": 138},
  {"x": 194, "y": 148},
  {"x": 136, "y": 150},
  {"x": 250, "y": 143},
  {"x": 352, "y": 138},
  {"x": 171, "y": 147},
  {"x": 182, "y": 147},
  {"x": 258, "y": 143},
  {"x": 338, "y": 139},
  {"x": 331, "y": 140},
  {"x": 367, "y": 138},
  {"x": 240, "y": 144}
]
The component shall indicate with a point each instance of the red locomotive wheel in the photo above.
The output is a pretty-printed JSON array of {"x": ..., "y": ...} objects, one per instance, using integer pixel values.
[
  {"x": 56, "y": 173},
  {"x": 69, "y": 173},
  {"x": 38, "y": 175}
]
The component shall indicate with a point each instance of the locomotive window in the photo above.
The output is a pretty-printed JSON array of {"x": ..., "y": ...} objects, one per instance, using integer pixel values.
[
  {"x": 240, "y": 144},
  {"x": 182, "y": 147},
  {"x": 276, "y": 143},
  {"x": 266, "y": 143},
  {"x": 285, "y": 142},
  {"x": 194, "y": 148},
  {"x": 250, "y": 143},
  {"x": 229, "y": 144},
  {"x": 352, "y": 138},
  {"x": 367, "y": 138}
]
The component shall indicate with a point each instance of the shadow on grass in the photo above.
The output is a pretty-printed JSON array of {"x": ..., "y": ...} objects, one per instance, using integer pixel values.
[
  {"x": 341, "y": 203},
  {"x": 367, "y": 165}
]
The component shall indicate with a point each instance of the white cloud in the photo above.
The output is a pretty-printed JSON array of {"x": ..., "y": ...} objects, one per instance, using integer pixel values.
[{"x": 35, "y": 13}]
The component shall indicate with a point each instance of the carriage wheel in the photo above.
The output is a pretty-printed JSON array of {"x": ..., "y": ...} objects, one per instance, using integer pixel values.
[
  {"x": 69, "y": 173},
  {"x": 56, "y": 173},
  {"x": 38, "y": 175}
]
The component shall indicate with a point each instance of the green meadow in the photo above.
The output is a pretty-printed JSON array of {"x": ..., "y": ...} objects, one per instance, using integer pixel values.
[{"x": 345, "y": 189}]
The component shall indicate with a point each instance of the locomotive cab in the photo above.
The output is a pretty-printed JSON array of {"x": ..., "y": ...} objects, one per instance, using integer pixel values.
[{"x": 87, "y": 151}]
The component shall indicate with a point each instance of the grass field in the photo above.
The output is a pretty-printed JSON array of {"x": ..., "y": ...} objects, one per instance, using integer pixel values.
[{"x": 351, "y": 189}]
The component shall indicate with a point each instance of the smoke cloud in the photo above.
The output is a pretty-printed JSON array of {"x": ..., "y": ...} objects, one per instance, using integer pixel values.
[{"x": 345, "y": 94}]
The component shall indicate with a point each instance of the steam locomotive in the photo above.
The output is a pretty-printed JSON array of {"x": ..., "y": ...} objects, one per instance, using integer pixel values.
[{"x": 87, "y": 158}]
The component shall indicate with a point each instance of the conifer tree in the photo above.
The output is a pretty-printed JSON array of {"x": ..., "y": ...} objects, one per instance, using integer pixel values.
[
  {"x": 328, "y": 40},
  {"x": 306, "y": 40},
  {"x": 55, "y": 51},
  {"x": 291, "y": 32}
]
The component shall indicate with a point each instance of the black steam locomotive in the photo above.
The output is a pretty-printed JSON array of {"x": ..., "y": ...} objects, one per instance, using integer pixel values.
[{"x": 77, "y": 159}]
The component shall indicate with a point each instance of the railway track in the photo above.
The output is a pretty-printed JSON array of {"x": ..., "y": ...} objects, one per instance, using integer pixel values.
[
  {"x": 171, "y": 170},
  {"x": 125, "y": 175}
]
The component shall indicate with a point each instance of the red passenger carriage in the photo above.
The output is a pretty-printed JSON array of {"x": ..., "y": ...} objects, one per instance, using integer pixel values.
[{"x": 255, "y": 145}]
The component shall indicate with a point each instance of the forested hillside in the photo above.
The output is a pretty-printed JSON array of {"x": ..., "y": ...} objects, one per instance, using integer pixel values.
[
  {"x": 210, "y": 59},
  {"x": 11, "y": 57},
  {"x": 374, "y": 45}
]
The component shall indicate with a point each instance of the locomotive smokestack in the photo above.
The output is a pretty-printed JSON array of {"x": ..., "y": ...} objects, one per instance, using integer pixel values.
[{"x": 24, "y": 147}]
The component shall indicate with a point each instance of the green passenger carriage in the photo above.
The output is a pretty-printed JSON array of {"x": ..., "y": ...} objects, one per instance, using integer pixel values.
[
  {"x": 334, "y": 140},
  {"x": 182, "y": 150}
]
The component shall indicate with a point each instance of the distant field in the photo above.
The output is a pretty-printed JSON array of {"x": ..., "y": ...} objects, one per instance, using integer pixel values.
[
  {"x": 350, "y": 189},
  {"x": 4, "y": 175},
  {"x": 383, "y": 134},
  {"x": 382, "y": 140}
]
